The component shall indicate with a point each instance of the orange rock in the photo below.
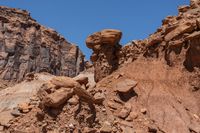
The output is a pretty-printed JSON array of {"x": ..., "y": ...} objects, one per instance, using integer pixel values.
[
  {"x": 182, "y": 28},
  {"x": 107, "y": 36},
  {"x": 110, "y": 36},
  {"x": 58, "y": 98},
  {"x": 125, "y": 85}
]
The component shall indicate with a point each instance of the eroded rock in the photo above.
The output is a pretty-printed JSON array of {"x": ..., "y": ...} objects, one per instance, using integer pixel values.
[
  {"x": 27, "y": 46},
  {"x": 104, "y": 44}
]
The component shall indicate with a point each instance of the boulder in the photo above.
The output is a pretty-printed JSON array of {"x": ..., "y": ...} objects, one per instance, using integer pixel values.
[
  {"x": 125, "y": 85},
  {"x": 58, "y": 98},
  {"x": 62, "y": 81},
  {"x": 81, "y": 79},
  {"x": 125, "y": 111},
  {"x": 107, "y": 36},
  {"x": 106, "y": 127}
]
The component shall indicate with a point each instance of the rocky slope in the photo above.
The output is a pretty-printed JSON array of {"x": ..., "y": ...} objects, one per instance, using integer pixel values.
[
  {"x": 26, "y": 46},
  {"x": 176, "y": 38},
  {"x": 149, "y": 85}
]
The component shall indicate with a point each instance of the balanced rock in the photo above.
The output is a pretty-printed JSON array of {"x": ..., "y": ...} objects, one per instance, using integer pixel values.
[{"x": 105, "y": 45}]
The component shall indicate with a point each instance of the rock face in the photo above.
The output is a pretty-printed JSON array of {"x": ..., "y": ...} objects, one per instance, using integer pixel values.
[
  {"x": 26, "y": 46},
  {"x": 104, "y": 45}
]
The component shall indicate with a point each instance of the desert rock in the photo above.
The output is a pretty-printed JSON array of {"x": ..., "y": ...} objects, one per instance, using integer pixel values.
[{"x": 27, "y": 46}]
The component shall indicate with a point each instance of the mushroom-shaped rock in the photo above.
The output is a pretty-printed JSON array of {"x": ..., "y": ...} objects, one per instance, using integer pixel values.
[{"x": 105, "y": 46}]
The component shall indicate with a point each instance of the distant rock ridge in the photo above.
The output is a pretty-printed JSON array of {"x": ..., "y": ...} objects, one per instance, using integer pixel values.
[
  {"x": 176, "y": 41},
  {"x": 26, "y": 46}
]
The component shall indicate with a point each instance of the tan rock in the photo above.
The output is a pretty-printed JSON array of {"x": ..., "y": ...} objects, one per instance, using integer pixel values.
[
  {"x": 183, "y": 8},
  {"x": 1, "y": 128},
  {"x": 24, "y": 107},
  {"x": 195, "y": 3},
  {"x": 127, "y": 129},
  {"x": 89, "y": 130},
  {"x": 73, "y": 101},
  {"x": 182, "y": 28},
  {"x": 58, "y": 98},
  {"x": 81, "y": 79},
  {"x": 99, "y": 97},
  {"x": 194, "y": 35},
  {"x": 176, "y": 43},
  {"x": 110, "y": 36},
  {"x": 125, "y": 111},
  {"x": 125, "y": 85},
  {"x": 112, "y": 105},
  {"x": 68, "y": 82},
  {"x": 106, "y": 127},
  {"x": 155, "y": 39},
  {"x": 143, "y": 110},
  {"x": 107, "y": 36},
  {"x": 93, "y": 39},
  {"x": 133, "y": 115},
  {"x": 198, "y": 22}
]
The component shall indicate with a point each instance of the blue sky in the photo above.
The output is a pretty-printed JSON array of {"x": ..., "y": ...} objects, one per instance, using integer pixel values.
[{"x": 76, "y": 19}]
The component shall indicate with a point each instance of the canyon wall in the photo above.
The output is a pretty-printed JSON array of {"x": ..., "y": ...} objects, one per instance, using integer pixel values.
[{"x": 26, "y": 46}]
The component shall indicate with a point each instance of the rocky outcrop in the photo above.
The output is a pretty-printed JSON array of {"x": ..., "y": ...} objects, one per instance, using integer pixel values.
[
  {"x": 177, "y": 38},
  {"x": 26, "y": 46},
  {"x": 105, "y": 45}
]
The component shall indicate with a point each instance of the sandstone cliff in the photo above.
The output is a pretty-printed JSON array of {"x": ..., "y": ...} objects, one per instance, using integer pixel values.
[{"x": 26, "y": 46}]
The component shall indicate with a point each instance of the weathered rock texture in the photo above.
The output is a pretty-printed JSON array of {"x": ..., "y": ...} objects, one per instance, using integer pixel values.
[
  {"x": 178, "y": 36},
  {"x": 105, "y": 45},
  {"x": 26, "y": 46},
  {"x": 155, "y": 90}
]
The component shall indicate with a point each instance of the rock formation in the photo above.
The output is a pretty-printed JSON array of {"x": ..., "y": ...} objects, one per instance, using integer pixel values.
[
  {"x": 26, "y": 46},
  {"x": 146, "y": 86},
  {"x": 105, "y": 45}
]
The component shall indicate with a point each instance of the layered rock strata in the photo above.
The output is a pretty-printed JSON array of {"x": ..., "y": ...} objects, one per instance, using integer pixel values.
[{"x": 26, "y": 46}]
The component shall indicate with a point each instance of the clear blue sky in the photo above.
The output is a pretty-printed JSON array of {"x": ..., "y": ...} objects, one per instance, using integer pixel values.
[{"x": 76, "y": 19}]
